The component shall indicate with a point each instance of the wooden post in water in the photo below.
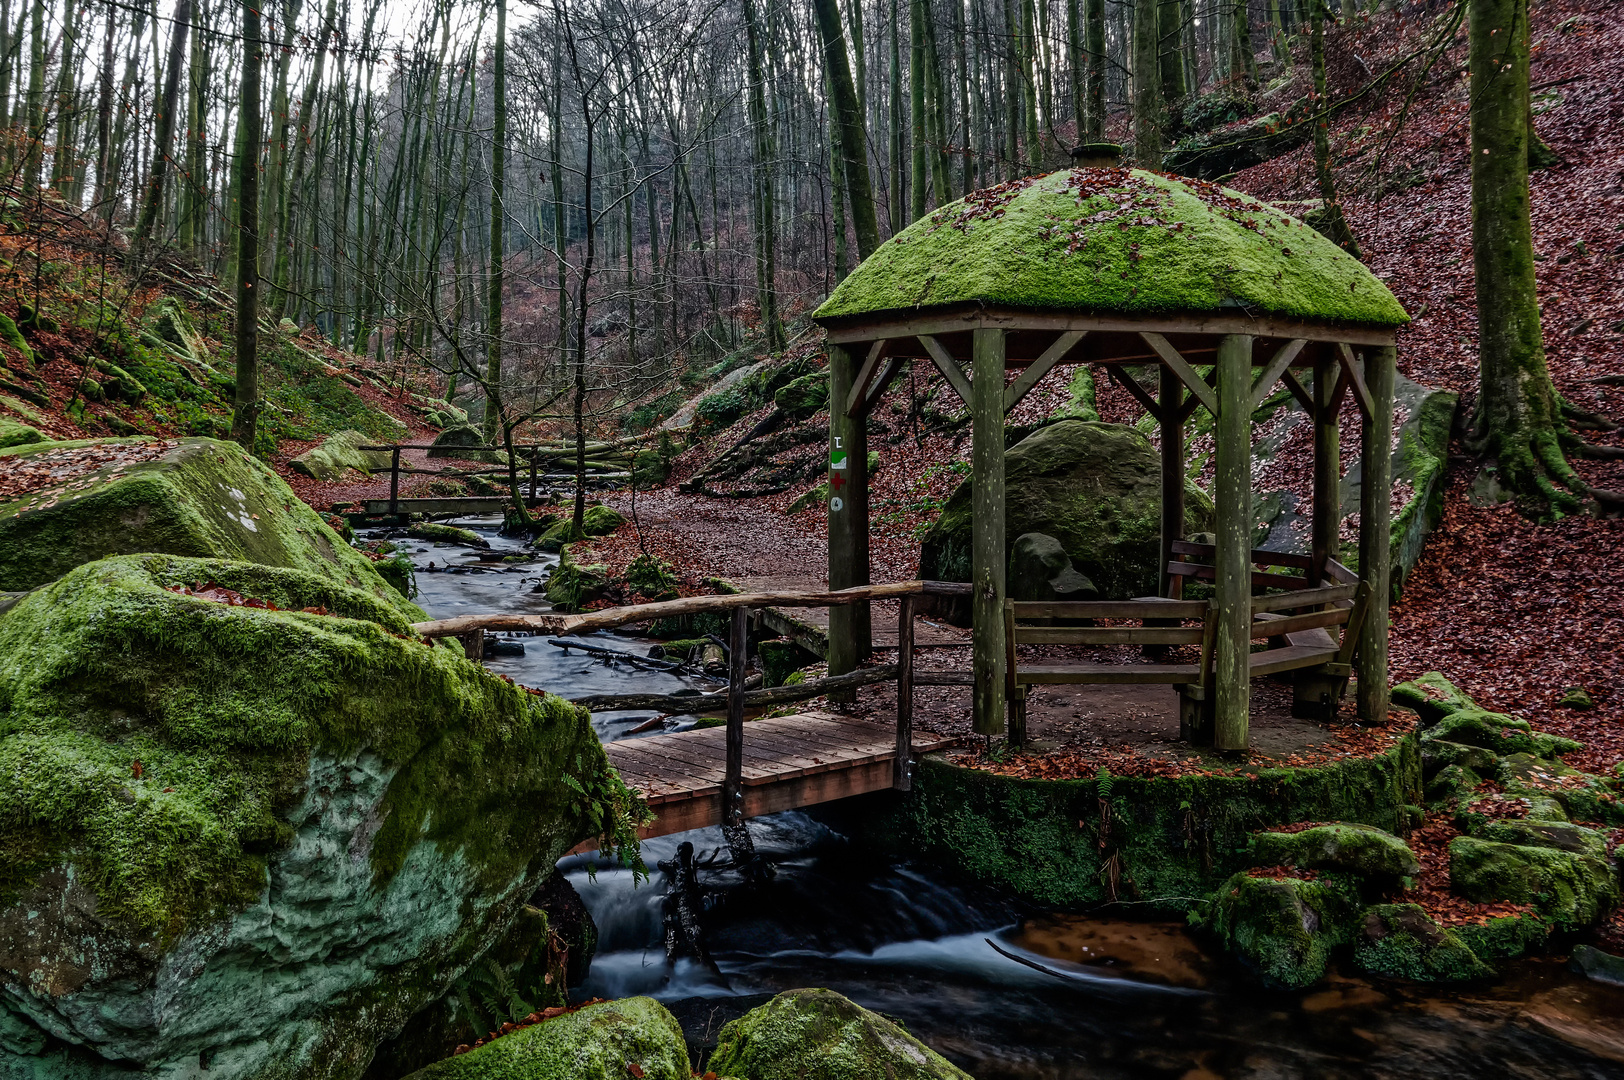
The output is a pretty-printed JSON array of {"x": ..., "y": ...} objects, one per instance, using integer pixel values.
[
  {"x": 1171, "y": 415},
  {"x": 1232, "y": 492},
  {"x": 394, "y": 479},
  {"x": 733, "y": 784},
  {"x": 987, "y": 527},
  {"x": 850, "y": 633},
  {"x": 1375, "y": 531},
  {"x": 1327, "y": 519},
  {"x": 900, "y": 778}
]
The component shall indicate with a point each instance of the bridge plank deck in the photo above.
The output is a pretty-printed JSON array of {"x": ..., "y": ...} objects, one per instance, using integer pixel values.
[{"x": 789, "y": 762}]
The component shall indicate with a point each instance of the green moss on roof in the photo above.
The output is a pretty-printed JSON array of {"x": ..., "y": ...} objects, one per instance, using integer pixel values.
[{"x": 1120, "y": 241}]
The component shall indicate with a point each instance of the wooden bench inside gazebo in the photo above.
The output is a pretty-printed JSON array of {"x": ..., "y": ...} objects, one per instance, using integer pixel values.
[{"x": 1189, "y": 296}]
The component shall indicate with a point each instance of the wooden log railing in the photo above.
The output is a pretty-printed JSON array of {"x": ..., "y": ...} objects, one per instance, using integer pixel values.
[
  {"x": 534, "y": 454},
  {"x": 471, "y": 628}
]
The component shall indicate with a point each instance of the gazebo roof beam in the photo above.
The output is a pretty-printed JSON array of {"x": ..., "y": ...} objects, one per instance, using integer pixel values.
[
  {"x": 1180, "y": 367},
  {"x": 1355, "y": 378},
  {"x": 949, "y": 321},
  {"x": 948, "y": 366},
  {"x": 1063, "y": 347},
  {"x": 1277, "y": 367}
]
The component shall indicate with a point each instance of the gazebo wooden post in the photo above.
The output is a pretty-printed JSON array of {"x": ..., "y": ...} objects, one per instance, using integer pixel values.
[
  {"x": 987, "y": 528},
  {"x": 850, "y": 635},
  {"x": 1232, "y": 493},
  {"x": 1171, "y": 415},
  {"x": 1375, "y": 531},
  {"x": 1327, "y": 509}
]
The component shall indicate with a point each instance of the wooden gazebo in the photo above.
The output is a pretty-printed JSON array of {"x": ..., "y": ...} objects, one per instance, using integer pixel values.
[{"x": 1224, "y": 296}]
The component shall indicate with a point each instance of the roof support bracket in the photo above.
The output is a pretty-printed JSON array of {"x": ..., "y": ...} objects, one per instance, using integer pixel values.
[
  {"x": 1037, "y": 369},
  {"x": 1355, "y": 378},
  {"x": 948, "y": 366},
  {"x": 1277, "y": 367},
  {"x": 865, "y": 378},
  {"x": 1131, "y": 385},
  {"x": 1180, "y": 367}
]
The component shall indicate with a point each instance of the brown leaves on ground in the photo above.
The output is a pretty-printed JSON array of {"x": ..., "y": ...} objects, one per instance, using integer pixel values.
[
  {"x": 67, "y": 469},
  {"x": 1432, "y": 886}
]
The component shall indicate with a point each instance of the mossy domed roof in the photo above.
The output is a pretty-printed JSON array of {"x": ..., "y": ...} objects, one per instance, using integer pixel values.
[{"x": 1115, "y": 241}]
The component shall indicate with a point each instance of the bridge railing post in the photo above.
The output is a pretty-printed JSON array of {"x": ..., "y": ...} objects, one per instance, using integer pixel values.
[
  {"x": 533, "y": 452},
  {"x": 900, "y": 773},
  {"x": 394, "y": 480},
  {"x": 733, "y": 783}
]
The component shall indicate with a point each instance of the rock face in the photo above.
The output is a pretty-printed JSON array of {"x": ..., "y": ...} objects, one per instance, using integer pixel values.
[
  {"x": 611, "y": 1040},
  {"x": 1040, "y": 569},
  {"x": 1281, "y": 929},
  {"x": 257, "y": 839},
  {"x": 820, "y": 1035},
  {"x": 804, "y": 397},
  {"x": 196, "y": 497},
  {"x": 1571, "y": 889},
  {"x": 1399, "y": 941},
  {"x": 1096, "y": 488},
  {"x": 339, "y": 453},
  {"x": 1356, "y": 849}
]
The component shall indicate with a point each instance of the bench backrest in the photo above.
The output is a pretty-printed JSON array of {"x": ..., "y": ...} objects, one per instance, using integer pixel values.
[{"x": 1281, "y": 570}]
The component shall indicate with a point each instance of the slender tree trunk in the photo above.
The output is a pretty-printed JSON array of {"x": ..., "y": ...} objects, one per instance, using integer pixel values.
[
  {"x": 967, "y": 176},
  {"x": 104, "y": 114},
  {"x": 285, "y": 208},
  {"x": 847, "y": 112},
  {"x": 1148, "y": 115},
  {"x": 34, "y": 157},
  {"x": 916, "y": 108},
  {"x": 1077, "y": 65},
  {"x": 1013, "y": 90},
  {"x": 1519, "y": 414},
  {"x": 166, "y": 125},
  {"x": 1095, "y": 25},
  {"x": 896, "y": 220},
  {"x": 1334, "y": 224},
  {"x": 762, "y": 178},
  {"x": 493, "y": 288},
  {"x": 1170, "y": 16},
  {"x": 245, "y": 419}
]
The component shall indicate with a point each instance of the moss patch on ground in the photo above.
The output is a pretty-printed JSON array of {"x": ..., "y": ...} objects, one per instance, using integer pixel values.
[
  {"x": 204, "y": 498},
  {"x": 151, "y": 738},
  {"x": 821, "y": 1035},
  {"x": 612, "y": 1040},
  {"x": 1117, "y": 241}
]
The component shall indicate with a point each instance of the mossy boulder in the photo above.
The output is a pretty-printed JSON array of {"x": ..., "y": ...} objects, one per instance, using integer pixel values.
[
  {"x": 804, "y": 397},
  {"x": 1432, "y": 697},
  {"x": 611, "y": 1040},
  {"x": 466, "y": 443},
  {"x": 1040, "y": 569},
  {"x": 198, "y": 497},
  {"x": 1572, "y": 890},
  {"x": 596, "y": 521},
  {"x": 1499, "y": 733},
  {"x": 1452, "y": 782},
  {"x": 11, "y": 336},
  {"x": 292, "y": 826},
  {"x": 446, "y": 534},
  {"x": 601, "y": 520},
  {"x": 1283, "y": 930},
  {"x": 1357, "y": 849},
  {"x": 1439, "y": 754},
  {"x": 339, "y": 453},
  {"x": 13, "y": 433},
  {"x": 1583, "y": 796},
  {"x": 820, "y": 1035},
  {"x": 1504, "y": 938},
  {"x": 1119, "y": 241},
  {"x": 1096, "y": 488},
  {"x": 571, "y": 585},
  {"x": 1400, "y": 941},
  {"x": 1560, "y": 835}
]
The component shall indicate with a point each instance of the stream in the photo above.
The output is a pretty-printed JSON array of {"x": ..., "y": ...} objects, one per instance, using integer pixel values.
[{"x": 1095, "y": 997}]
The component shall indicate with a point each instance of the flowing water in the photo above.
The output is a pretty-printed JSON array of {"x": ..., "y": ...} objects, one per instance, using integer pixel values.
[{"x": 1006, "y": 992}]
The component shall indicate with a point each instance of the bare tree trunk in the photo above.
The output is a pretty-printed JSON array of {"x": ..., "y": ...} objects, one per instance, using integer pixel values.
[
  {"x": 1333, "y": 224},
  {"x": 166, "y": 126},
  {"x": 245, "y": 419},
  {"x": 493, "y": 287}
]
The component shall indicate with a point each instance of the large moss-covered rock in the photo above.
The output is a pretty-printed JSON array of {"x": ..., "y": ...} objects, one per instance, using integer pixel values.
[
  {"x": 257, "y": 838},
  {"x": 196, "y": 497},
  {"x": 13, "y": 433},
  {"x": 803, "y": 397},
  {"x": 1094, "y": 487},
  {"x": 339, "y": 453},
  {"x": 466, "y": 443},
  {"x": 1561, "y": 835},
  {"x": 1119, "y": 241},
  {"x": 437, "y": 533},
  {"x": 1572, "y": 890},
  {"x": 1500, "y": 733},
  {"x": 1283, "y": 930},
  {"x": 820, "y": 1035},
  {"x": 1439, "y": 754},
  {"x": 611, "y": 1040},
  {"x": 1357, "y": 849},
  {"x": 596, "y": 521},
  {"x": 1400, "y": 941},
  {"x": 1582, "y": 796},
  {"x": 1432, "y": 697}
]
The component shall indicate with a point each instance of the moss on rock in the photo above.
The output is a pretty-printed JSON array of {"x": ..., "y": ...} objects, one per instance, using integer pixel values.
[
  {"x": 1115, "y": 241},
  {"x": 820, "y": 1035},
  {"x": 1582, "y": 796},
  {"x": 1400, "y": 941},
  {"x": 1432, "y": 697},
  {"x": 604, "y": 1041},
  {"x": 802, "y": 398},
  {"x": 1168, "y": 840},
  {"x": 1358, "y": 849},
  {"x": 1439, "y": 754},
  {"x": 446, "y": 534},
  {"x": 1560, "y": 835},
  {"x": 1283, "y": 930},
  {"x": 1500, "y": 733},
  {"x": 203, "y": 498},
  {"x": 338, "y": 453},
  {"x": 13, "y": 433},
  {"x": 311, "y": 822},
  {"x": 1094, "y": 487},
  {"x": 1572, "y": 890}
]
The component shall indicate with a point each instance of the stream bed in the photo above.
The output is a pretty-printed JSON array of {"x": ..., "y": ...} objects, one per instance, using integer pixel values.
[{"x": 1006, "y": 992}]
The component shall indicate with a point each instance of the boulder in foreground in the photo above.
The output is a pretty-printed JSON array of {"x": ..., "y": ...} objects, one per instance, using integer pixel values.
[
  {"x": 611, "y": 1040},
  {"x": 258, "y": 839}
]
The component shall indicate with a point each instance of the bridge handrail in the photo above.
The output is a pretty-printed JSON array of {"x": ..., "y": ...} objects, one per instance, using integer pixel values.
[{"x": 472, "y": 628}]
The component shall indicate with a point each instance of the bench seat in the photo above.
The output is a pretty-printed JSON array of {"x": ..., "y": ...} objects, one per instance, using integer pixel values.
[{"x": 1108, "y": 673}]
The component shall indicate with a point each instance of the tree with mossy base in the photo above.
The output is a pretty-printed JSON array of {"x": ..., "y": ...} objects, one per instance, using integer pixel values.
[{"x": 1521, "y": 422}]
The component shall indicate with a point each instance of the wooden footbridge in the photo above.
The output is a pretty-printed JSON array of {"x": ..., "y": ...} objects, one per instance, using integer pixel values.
[{"x": 721, "y": 775}]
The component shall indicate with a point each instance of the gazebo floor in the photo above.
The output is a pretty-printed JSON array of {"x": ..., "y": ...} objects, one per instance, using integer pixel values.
[{"x": 1137, "y": 720}]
